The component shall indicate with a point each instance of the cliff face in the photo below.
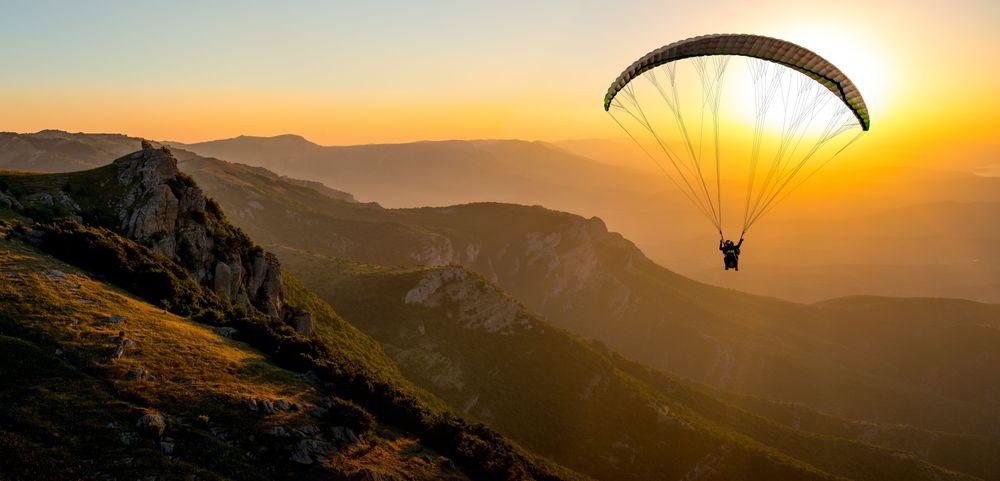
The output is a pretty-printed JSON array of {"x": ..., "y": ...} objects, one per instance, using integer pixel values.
[
  {"x": 164, "y": 209},
  {"x": 145, "y": 197}
]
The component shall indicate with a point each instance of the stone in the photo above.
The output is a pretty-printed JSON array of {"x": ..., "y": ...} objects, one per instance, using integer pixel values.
[
  {"x": 136, "y": 374},
  {"x": 58, "y": 200},
  {"x": 267, "y": 406},
  {"x": 226, "y": 332},
  {"x": 303, "y": 323},
  {"x": 129, "y": 438},
  {"x": 250, "y": 403},
  {"x": 301, "y": 457},
  {"x": 114, "y": 320},
  {"x": 316, "y": 448},
  {"x": 345, "y": 434},
  {"x": 34, "y": 237},
  {"x": 152, "y": 424},
  {"x": 167, "y": 447},
  {"x": 8, "y": 201}
]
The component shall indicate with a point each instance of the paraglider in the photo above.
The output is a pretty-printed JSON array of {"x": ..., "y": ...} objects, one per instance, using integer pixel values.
[
  {"x": 799, "y": 109},
  {"x": 730, "y": 254}
]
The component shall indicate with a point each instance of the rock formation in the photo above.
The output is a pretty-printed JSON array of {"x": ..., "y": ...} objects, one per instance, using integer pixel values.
[
  {"x": 149, "y": 200},
  {"x": 164, "y": 209}
]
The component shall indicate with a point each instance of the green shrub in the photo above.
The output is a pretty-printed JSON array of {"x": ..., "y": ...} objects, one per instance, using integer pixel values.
[{"x": 346, "y": 413}]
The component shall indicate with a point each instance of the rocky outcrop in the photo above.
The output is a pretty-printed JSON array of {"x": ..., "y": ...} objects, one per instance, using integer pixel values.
[
  {"x": 152, "y": 424},
  {"x": 164, "y": 209},
  {"x": 7, "y": 201},
  {"x": 475, "y": 302},
  {"x": 303, "y": 323},
  {"x": 56, "y": 203}
]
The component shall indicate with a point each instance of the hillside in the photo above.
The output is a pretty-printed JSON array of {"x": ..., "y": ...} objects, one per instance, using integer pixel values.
[
  {"x": 582, "y": 278},
  {"x": 863, "y": 241},
  {"x": 880, "y": 360},
  {"x": 180, "y": 399},
  {"x": 598, "y": 285},
  {"x": 478, "y": 349},
  {"x": 145, "y": 227}
]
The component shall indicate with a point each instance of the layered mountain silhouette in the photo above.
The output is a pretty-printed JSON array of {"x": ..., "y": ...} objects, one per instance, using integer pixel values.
[
  {"x": 855, "y": 239},
  {"x": 541, "y": 324}
]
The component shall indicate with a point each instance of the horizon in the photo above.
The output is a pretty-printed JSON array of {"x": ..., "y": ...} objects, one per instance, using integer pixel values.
[
  {"x": 261, "y": 240},
  {"x": 317, "y": 71}
]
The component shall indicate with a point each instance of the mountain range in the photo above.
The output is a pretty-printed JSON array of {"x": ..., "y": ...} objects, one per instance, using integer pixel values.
[
  {"x": 541, "y": 324},
  {"x": 878, "y": 236}
]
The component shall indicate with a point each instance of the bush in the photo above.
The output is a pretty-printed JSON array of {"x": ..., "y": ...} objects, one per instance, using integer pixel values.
[
  {"x": 345, "y": 413},
  {"x": 126, "y": 264}
]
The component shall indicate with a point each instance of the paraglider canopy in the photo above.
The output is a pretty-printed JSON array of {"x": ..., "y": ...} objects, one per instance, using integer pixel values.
[
  {"x": 798, "y": 103},
  {"x": 756, "y": 46}
]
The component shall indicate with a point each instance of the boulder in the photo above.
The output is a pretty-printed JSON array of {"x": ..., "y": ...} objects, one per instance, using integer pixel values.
[
  {"x": 129, "y": 438},
  {"x": 8, "y": 201},
  {"x": 226, "y": 332},
  {"x": 152, "y": 424},
  {"x": 303, "y": 323},
  {"x": 167, "y": 447},
  {"x": 57, "y": 201},
  {"x": 300, "y": 456},
  {"x": 278, "y": 431}
]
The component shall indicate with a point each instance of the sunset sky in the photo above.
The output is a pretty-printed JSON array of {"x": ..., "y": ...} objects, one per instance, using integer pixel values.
[{"x": 365, "y": 72}]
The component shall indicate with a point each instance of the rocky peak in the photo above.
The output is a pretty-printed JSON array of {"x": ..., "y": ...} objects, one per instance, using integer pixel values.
[
  {"x": 164, "y": 209},
  {"x": 468, "y": 298}
]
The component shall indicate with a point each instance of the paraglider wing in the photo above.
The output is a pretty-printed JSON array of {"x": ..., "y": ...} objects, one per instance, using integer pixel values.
[{"x": 756, "y": 46}]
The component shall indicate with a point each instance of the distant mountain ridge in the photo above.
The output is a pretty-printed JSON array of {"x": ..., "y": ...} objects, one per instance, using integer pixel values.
[
  {"x": 831, "y": 240},
  {"x": 853, "y": 360},
  {"x": 505, "y": 170}
]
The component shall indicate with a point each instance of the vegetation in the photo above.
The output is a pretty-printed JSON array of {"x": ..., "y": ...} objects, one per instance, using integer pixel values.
[
  {"x": 71, "y": 407},
  {"x": 888, "y": 360},
  {"x": 544, "y": 385},
  {"x": 481, "y": 453}
]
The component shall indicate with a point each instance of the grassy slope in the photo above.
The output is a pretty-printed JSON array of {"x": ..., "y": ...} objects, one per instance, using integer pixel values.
[
  {"x": 773, "y": 345},
  {"x": 68, "y": 402},
  {"x": 360, "y": 371},
  {"x": 529, "y": 386},
  {"x": 325, "y": 229},
  {"x": 894, "y": 361}
]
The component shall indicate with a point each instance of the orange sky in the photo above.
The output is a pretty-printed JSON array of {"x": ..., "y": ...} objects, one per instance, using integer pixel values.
[{"x": 342, "y": 75}]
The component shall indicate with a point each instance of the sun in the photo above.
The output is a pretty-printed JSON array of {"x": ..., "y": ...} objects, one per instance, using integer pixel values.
[{"x": 859, "y": 59}]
